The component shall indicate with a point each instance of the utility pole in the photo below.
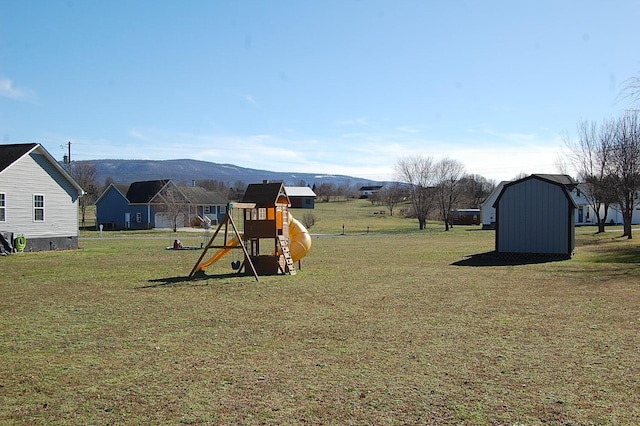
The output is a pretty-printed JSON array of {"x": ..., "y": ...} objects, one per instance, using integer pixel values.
[{"x": 67, "y": 158}]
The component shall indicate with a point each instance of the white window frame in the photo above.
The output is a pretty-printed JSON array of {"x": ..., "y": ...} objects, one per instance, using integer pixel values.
[
  {"x": 37, "y": 208},
  {"x": 3, "y": 207}
]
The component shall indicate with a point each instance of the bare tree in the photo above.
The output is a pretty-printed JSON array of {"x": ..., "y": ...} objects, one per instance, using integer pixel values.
[
  {"x": 624, "y": 167},
  {"x": 214, "y": 185},
  {"x": 309, "y": 219},
  {"x": 591, "y": 155},
  {"x": 418, "y": 172},
  {"x": 391, "y": 195},
  {"x": 448, "y": 188},
  {"x": 325, "y": 191},
  {"x": 86, "y": 174},
  {"x": 475, "y": 189},
  {"x": 630, "y": 92},
  {"x": 174, "y": 203},
  {"x": 236, "y": 192}
]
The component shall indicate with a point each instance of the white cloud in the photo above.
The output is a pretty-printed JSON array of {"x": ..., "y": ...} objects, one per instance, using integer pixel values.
[
  {"x": 249, "y": 99},
  {"x": 9, "y": 90},
  {"x": 494, "y": 155}
]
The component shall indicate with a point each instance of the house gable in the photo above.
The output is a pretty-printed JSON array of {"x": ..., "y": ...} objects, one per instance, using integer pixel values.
[{"x": 29, "y": 174}]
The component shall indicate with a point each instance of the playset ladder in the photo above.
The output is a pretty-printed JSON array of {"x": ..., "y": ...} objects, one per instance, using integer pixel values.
[{"x": 284, "y": 245}]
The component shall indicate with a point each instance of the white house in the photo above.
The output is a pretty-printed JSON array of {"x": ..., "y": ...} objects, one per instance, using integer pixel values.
[
  {"x": 585, "y": 214},
  {"x": 487, "y": 211},
  {"x": 38, "y": 198}
]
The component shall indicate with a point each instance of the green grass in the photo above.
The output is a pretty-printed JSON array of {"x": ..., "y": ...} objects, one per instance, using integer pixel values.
[{"x": 379, "y": 328}]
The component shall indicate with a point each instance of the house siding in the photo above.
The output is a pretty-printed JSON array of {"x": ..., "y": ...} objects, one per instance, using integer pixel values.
[
  {"x": 534, "y": 216},
  {"x": 110, "y": 209},
  {"x": 34, "y": 174}
]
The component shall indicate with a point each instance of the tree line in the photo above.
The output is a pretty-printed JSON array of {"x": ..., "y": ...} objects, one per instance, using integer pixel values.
[
  {"x": 606, "y": 156},
  {"x": 436, "y": 189}
]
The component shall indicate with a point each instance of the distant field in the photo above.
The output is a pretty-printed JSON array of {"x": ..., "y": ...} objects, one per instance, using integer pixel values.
[{"x": 393, "y": 326}]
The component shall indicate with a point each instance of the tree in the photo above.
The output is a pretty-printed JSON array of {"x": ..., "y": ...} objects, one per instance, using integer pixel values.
[
  {"x": 448, "y": 190},
  {"x": 214, "y": 185},
  {"x": 325, "y": 191},
  {"x": 418, "y": 172},
  {"x": 236, "y": 192},
  {"x": 475, "y": 189},
  {"x": 309, "y": 219},
  {"x": 624, "y": 167},
  {"x": 390, "y": 195},
  {"x": 174, "y": 203},
  {"x": 591, "y": 154},
  {"x": 86, "y": 174}
]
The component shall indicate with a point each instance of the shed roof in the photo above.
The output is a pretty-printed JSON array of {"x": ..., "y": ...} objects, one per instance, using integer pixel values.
[
  {"x": 563, "y": 181},
  {"x": 299, "y": 191}
]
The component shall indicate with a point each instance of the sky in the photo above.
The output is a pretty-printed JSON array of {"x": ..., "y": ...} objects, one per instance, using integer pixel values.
[{"x": 316, "y": 86}]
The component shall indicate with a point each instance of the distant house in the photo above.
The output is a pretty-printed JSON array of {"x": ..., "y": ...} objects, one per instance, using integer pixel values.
[
  {"x": 536, "y": 215},
  {"x": 369, "y": 190},
  {"x": 156, "y": 204},
  {"x": 585, "y": 214},
  {"x": 301, "y": 197},
  {"x": 38, "y": 198}
]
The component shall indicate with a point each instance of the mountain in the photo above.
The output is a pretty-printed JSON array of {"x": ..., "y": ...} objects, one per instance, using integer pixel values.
[{"x": 186, "y": 171}]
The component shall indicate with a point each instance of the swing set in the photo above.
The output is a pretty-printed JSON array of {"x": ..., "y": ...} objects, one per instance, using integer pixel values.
[{"x": 267, "y": 226}]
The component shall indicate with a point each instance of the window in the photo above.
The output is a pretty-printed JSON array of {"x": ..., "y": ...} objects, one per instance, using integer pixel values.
[
  {"x": 3, "y": 205},
  {"x": 207, "y": 209},
  {"x": 138, "y": 217},
  {"x": 38, "y": 208}
]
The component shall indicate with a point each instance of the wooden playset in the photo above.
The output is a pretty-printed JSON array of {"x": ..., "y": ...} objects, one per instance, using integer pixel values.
[{"x": 271, "y": 239}]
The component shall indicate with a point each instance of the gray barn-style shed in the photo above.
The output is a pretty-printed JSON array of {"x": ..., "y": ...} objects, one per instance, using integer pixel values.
[{"x": 535, "y": 215}]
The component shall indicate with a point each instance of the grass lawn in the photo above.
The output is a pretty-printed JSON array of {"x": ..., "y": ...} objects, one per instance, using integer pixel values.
[{"x": 393, "y": 326}]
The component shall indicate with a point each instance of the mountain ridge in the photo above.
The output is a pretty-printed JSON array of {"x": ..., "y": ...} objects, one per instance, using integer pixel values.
[{"x": 186, "y": 171}]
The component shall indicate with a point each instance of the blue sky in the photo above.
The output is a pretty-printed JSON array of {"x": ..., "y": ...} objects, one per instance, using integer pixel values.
[{"x": 317, "y": 86}]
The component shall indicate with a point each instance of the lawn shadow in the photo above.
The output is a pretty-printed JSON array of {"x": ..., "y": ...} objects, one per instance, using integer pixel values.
[
  {"x": 626, "y": 254},
  {"x": 492, "y": 258},
  {"x": 187, "y": 281}
]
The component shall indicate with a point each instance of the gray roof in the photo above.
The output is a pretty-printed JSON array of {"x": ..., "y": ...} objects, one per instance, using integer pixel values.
[
  {"x": 9, "y": 154},
  {"x": 565, "y": 180},
  {"x": 201, "y": 196},
  {"x": 299, "y": 191}
]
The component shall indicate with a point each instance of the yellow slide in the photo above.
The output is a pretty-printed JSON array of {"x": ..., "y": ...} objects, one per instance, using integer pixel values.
[
  {"x": 234, "y": 242},
  {"x": 299, "y": 244},
  {"x": 299, "y": 239}
]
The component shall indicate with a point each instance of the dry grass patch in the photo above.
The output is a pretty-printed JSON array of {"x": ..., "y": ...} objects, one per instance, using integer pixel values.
[{"x": 377, "y": 329}]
